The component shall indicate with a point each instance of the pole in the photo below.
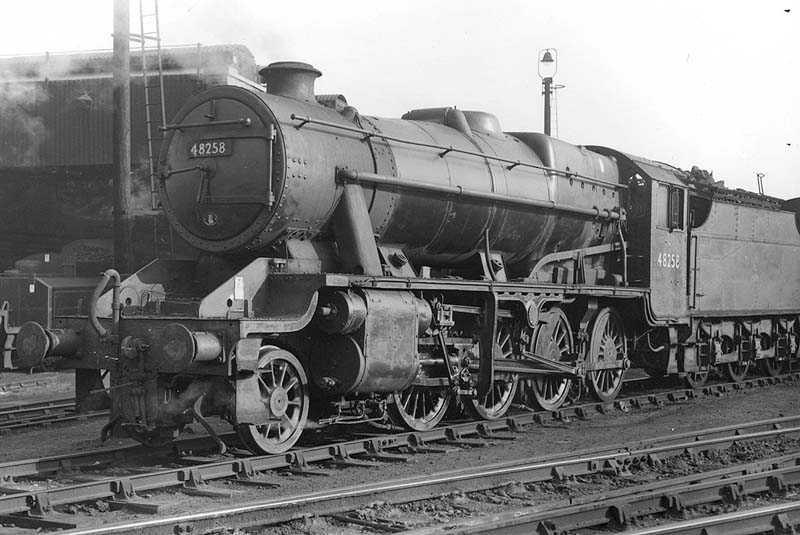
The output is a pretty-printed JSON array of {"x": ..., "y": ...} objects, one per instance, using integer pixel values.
[
  {"x": 121, "y": 84},
  {"x": 548, "y": 90}
]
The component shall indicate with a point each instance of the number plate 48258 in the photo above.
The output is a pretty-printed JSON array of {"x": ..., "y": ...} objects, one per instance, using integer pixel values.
[{"x": 211, "y": 148}]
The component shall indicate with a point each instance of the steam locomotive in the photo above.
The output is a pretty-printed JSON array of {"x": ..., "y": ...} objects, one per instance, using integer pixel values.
[{"x": 360, "y": 269}]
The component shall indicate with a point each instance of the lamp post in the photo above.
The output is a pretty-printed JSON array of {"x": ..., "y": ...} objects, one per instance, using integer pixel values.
[{"x": 548, "y": 65}]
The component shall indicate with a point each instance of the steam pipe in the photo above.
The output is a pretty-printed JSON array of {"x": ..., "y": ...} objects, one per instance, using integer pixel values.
[
  {"x": 115, "y": 304},
  {"x": 350, "y": 175}
]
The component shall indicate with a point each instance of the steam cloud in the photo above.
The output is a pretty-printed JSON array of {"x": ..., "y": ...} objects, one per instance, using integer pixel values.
[{"x": 22, "y": 131}]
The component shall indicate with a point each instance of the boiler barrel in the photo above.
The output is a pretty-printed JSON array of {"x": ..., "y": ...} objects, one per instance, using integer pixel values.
[{"x": 242, "y": 170}]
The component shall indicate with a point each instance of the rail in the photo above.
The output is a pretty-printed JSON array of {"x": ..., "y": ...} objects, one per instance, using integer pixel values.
[
  {"x": 466, "y": 432},
  {"x": 621, "y": 508},
  {"x": 272, "y": 511}
]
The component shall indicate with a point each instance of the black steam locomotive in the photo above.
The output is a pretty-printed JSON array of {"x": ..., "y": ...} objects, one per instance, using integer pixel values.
[{"x": 367, "y": 269}]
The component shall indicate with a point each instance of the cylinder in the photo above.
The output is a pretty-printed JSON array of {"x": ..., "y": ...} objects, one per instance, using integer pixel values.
[
  {"x": 382, "y": 354},
  {"x": 344, "y": 313}
]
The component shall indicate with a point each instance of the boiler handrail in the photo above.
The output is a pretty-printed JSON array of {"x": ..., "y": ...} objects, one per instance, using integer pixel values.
[{"x": 512, "y": 163}]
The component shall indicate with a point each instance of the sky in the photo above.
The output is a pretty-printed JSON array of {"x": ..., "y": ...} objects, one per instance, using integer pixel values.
[{"x": 710, "y": 83}]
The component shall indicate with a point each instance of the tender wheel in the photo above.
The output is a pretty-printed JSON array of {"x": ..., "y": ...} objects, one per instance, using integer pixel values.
[
  {"x": 498, "y": 399},
  {"x": 419, "y": 408},
  {"x": 553, "y": 341},
  {"x": 770, "y": 367},
  {"x": 736, "y": 371},
  {"x": 607, "y": 344},
  {"x": 284, "y": 393},
  {"x": 696, "y": 379}
]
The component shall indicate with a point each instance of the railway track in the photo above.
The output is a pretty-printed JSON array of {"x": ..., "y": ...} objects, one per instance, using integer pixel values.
[
  {"x": 42, "y": 413},
  {"x": 672, "y": 496},
  {"x": 471, "y": 429},
  {"x": 197, "y": 474}
]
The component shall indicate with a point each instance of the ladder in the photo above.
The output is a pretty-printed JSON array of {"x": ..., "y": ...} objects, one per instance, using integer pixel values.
[{"x": 155, "y": 112}]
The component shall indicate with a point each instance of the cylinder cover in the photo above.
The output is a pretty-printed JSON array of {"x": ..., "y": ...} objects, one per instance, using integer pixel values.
[{"x": 382, "y": 355}]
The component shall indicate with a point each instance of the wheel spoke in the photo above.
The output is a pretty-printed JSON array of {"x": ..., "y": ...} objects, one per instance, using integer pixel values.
[
  {"x": 264, "y": 429},
  {"x": 562, "y": 336},
  {"x": 505, "y": 338},
  {"x": 265, "y": 385},
  {"x": 293, "y": 383},
  {"x": 284, "y": 368}
]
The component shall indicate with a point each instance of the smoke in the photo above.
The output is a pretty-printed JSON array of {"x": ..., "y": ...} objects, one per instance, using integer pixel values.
[
  {"x": 24, "y": 100},
  {"x": 22, "y": 131}
]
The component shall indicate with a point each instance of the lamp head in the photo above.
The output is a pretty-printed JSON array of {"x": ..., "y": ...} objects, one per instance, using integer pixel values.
[{"x": 548, "y": 63}]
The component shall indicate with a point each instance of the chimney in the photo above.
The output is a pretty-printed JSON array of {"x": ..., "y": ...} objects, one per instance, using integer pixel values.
[{"x": 292, "y": 79}]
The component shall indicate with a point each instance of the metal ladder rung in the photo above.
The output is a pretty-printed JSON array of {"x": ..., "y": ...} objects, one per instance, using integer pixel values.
[
  {"x": 154, "y": 106},
  {"x": 140, "y": 38}
]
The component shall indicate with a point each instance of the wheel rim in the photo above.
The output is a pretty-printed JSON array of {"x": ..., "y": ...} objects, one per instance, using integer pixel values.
[
  {"x": 696, "y": 379},
  {"x": 770, "y": 367},
  {"x": 607, "y": 344},
  {"x": 418, "y": 408},
  {"x": 555, "y": 343},
  {"x": 737, "y": 371},
  {"x": 498, "y": 399},
  {"x": 283, "y": 387}
]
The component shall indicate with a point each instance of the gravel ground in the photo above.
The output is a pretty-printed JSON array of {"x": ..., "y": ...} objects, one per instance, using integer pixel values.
[{"x": 617, "y": 428}]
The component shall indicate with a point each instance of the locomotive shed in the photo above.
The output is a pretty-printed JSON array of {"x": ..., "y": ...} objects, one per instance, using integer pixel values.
[{"x": 356, "y": 297}]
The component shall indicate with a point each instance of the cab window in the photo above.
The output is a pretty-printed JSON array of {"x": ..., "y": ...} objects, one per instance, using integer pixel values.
[
  {"x": 669, "y": 207},
  {"x": 662, "y": 206},
  {"x": 676, "y": 209}
]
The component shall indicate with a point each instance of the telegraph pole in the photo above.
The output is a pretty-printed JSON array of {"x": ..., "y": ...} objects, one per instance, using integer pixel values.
[{"x": 121, "y": 84}]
